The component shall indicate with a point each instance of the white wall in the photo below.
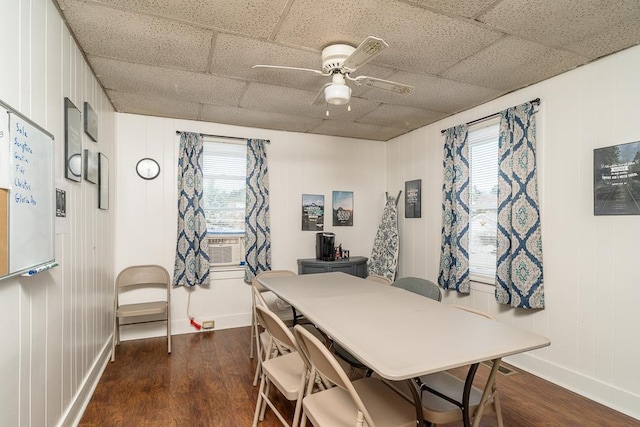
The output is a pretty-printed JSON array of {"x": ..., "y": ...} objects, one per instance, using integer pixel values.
[
  {"x": 55, "y": 326},
  {"x": 298, "y": 164},
  {"x": 590, "y": 262}
]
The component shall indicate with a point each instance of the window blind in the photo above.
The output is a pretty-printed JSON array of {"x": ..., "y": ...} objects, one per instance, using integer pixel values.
[
  {"x": 224, "y": 173},
  {"x": 483, "y": 154}
]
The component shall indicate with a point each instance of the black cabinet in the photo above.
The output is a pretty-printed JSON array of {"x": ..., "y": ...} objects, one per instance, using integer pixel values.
[{"x": 355, "y": 265}]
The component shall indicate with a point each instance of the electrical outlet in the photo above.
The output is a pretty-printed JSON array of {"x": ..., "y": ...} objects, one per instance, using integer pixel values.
[{"x": 208, "y": 324}]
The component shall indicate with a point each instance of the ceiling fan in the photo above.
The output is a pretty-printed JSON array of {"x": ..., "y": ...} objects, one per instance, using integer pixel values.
[{"x": 338, "y": 62}]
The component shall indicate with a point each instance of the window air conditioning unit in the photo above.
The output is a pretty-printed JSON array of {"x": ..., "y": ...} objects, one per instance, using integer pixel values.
[{"x": 225, "y": 251}]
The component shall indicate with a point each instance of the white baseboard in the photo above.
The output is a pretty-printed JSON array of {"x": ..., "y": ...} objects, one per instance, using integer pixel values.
[
  {"x": 79, "y": 403},
  {"x": 606, "y": 394}
]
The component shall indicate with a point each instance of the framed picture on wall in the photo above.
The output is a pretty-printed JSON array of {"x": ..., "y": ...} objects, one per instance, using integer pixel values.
[
  {"x": 413, "y": 199},
  {"x": 72, "y": 141},
  {"x": 343, "y": 208},
  {"x": 103, "y": 182},
  {"x": 312, "y": 212},
  {"x": 616, "y": 180},
  {"x": 90, "y": 122},
  {"x": 91, "y": 166}
]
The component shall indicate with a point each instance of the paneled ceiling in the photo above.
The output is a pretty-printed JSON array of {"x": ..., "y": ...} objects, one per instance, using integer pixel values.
[{"x": 192, "y": 59}]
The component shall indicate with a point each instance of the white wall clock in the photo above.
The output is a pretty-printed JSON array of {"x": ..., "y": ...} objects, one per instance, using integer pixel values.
[{"x": 148, "y": 168}]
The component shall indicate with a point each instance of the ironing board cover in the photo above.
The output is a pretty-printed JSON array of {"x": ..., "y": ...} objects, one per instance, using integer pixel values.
[{"x": 384, "y": 256}]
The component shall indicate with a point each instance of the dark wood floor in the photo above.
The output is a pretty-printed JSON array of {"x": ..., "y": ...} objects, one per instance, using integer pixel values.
[{"x": 207, "y": 381}]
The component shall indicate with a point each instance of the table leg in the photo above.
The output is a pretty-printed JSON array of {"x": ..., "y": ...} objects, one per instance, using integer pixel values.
[
  {"x": 467, "y": 392},
  {"x": 414, "y": 387}
]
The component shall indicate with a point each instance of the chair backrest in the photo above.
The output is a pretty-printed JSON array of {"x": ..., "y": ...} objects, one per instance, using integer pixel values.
[
  {"x": 275, "y": 327},
  {"x": 270, "y": 273},
  {"x": 142, "y": 276},
  {"x": 419, "y": 286},
  {"x": 318, "y": 358},
  {"x": 379, "y": 279}
]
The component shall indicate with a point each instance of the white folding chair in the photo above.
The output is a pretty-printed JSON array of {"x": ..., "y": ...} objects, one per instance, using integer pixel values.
[
  {"x": 142, "y": 278},
  {"x": 349, "y": 404},
  {"x": 287, "y": 371},
  {"x": 285, "y": 315}
]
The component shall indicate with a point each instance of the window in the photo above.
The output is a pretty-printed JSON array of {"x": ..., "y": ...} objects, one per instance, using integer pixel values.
[
  {"x": 483, "y": 200},
  {"x": 224, "y": 170}
]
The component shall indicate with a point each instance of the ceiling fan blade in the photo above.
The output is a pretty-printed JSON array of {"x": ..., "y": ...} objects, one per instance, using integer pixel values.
[
  {"x": 395, "y": 87},
  {"x": 319, "y": 99},
  {"x": 364, "y": 53},
  {"x": 282, "y": 67}
]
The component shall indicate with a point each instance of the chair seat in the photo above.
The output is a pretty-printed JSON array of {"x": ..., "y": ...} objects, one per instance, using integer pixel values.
[
  {"x": 285, "y": 372},
  {"x": 436, "y": 409},
  {"x": 335, "y": 408},
  {"x": 142, "y": 309}
]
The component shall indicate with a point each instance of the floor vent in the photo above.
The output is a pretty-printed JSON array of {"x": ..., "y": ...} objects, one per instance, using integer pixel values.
[{"x": 504, "y": 370}]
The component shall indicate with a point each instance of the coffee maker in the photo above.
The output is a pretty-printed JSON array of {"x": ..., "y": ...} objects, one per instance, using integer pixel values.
[{"x": 325, "y": 246}]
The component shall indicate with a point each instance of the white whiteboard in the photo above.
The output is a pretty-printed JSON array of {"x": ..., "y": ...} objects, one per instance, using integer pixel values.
[{"x": 31, "y": 206}]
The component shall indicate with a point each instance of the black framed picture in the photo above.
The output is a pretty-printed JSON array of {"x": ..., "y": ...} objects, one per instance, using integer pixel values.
[
  {"x": 103, "y": 181},
  {"x": 73, "y": 141},
  {"x": 312, "y": 212},
  {"x": 616, "y": 179},
  {"x": 413, "y": 199},
  {"x": 91, "y": 166},
  {"x": 90, "y": 122},
  {"x": 343, "y": 208}
]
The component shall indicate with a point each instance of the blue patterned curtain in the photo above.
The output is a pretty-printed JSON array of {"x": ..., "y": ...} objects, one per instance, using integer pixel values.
[
  {"x": 257, "y": 229},
  {"x": 454, "y": 254},
  {"x": 384, "y": 255},
  {"x": 519, "y": 253},
  {"x": 192, "y": 260}
]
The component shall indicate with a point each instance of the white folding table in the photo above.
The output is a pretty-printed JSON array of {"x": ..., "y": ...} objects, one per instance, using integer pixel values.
[{"x": 398, "y": 334}]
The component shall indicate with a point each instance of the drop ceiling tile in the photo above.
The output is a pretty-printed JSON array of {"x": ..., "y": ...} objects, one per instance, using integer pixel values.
[
  {"x": 357, "y": 130},
  {"x": 467, "y": 8},
  {"x": 144, "y": 79},
  {"x": 419, "y": 39},
  {"x": 567, "y": 22},
  {"x": 298, "y": 102},
  {"x": 435, "y": 93},
  {"x": 402, "y": 117},
  {"x": 258, "y": 119},
  {"x": 257, "y": 18},
  {"x": 153, "y": 105},
  {"x": 513, "y": 63},
  {"x": 115, "y": 33}
]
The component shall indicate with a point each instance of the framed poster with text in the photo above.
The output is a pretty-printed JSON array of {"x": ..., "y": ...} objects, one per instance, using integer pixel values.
[
  {"x": 616, "y": 180},
  {"x": 343, "y": 208}
]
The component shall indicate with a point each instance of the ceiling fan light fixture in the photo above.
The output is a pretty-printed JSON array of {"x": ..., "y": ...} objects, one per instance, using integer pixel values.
[{"x": 337, "y": 94}]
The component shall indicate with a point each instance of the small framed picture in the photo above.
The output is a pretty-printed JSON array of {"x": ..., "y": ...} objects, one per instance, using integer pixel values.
[
  {"x": 312, "y": 212},
  {"x": 413, "y": 199},
  {"x": 343, "y": 208},
  {"x": 103, "y": 181},
  {"x": 90, "y": 166},
  {"x": 90, "y": 122}
]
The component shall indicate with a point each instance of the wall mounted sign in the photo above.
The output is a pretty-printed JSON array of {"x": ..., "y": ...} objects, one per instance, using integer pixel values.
[{"x": 616, "y": 180}]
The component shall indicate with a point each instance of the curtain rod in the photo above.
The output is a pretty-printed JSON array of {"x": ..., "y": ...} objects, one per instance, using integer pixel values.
[
  {"x": 533, "y": 101},
  {"x": 178, "y": 132}
]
